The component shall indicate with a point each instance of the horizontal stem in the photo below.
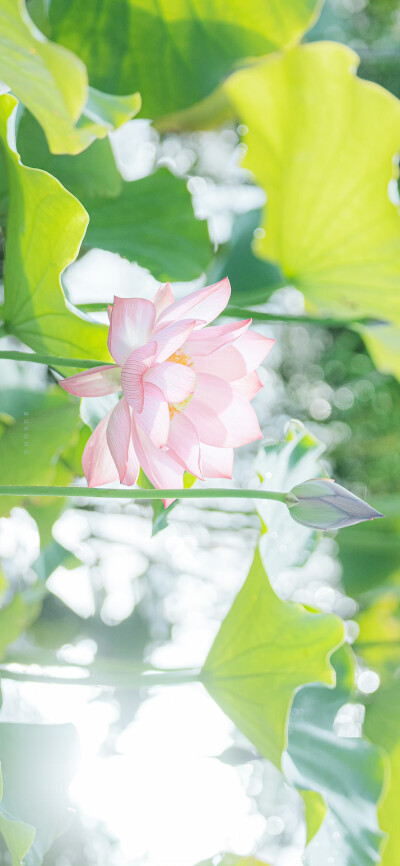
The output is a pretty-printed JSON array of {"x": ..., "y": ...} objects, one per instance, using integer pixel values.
[
  {"x": 51, "y": 360},
  {"x": 146, "y": 680},
  {"x": 115, "y": 493},
  {"x": 259, "y": 315}
]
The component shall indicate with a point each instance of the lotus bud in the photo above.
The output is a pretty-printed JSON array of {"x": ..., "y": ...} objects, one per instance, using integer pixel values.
[{"x": 323, "y": 504}]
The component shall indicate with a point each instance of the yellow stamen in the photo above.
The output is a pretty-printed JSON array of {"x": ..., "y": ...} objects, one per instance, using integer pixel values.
[{"x": 179, "y": 357}]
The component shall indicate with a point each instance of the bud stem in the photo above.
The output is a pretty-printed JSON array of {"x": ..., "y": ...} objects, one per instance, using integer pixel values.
[{"x": 115, "y": 493}]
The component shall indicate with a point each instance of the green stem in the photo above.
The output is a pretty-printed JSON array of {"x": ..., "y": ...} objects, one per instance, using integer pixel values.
[
  {"x": 52, "y": 360},
  {"x": 145, "y": 680},
  {"x": 115, "y": 493},
  {"x": 244, "y": 313}
]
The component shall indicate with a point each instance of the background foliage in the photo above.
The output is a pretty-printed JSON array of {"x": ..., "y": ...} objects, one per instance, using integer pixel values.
[{"x": 266, "y": 149}]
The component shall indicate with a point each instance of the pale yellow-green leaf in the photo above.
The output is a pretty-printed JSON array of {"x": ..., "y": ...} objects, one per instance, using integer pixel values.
[
  {"x": 53, "y": 83},
  {"x": 45, "y": 228},
  {"x": 265, "y": 649},
  {"x": 322, "y": 143},
  {"x": 383, "y": 344}
]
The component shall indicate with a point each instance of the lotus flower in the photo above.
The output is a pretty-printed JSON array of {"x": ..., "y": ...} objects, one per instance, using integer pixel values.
[{"x": 186, "y": 390}]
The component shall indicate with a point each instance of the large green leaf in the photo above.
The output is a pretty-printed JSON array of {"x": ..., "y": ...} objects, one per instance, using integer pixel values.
[
  {"x": 150, "y": 221},
  {"x": 38, "y": 763},
  {"x": 347, "y": 771},
  {"x": 264, "y": 650},
  {"x": 44, "y": 232},
  {"x": 52, "y": 82},
  {"x": 329, "y": 222},
  {"x": 174, "y": 51}
]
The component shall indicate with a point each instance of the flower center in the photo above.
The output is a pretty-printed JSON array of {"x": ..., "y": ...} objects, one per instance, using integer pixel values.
[{"x": 179, "y": 357}]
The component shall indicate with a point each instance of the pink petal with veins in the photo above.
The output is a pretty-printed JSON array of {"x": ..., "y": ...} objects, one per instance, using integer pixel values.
[
  {"x": 163, "y": 299},
  {"x": 221, "y": 414},
  {"x": 236, "y": 360},
  {"x": 98, "y": 465},
  {"x": 184, "y": 442},
  {"x": 216, "y": 462},
  {"x": 176, "y": 381},
  {"x": 96, "y": 382},
  {"x": 161, "y": 467},
  {"x": 172, "y": 337},
  {"x": 133, "y": 371},
  {"x": 205, "y": 304},
  {"x": 132, "y": 320},
  {"x": 154, "y": 418},
  {"x": 118, "y": 436},
  {"x": 211, "y": 339}
]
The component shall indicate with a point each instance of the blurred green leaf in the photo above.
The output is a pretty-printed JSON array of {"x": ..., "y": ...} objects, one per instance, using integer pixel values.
[
  {"x": 152, "y": 222},
  {"x": 17, "y": 835},
  {"x": 52, "y": 82},
  {"x": 45, "y": 229},
  {"x": 38, "y": 763},
  {"x": 378, "y": 644},
  {"x": 347, "y": 771},
  {"x": 264, "y": 650},
  {"x": 149, "y": 221},
  {"x": 31, "y": 446},
  {"x": 174, "y": 51},
  {"x": 383, "y": 344},
  {"x": 252, "y": 280},
  {"x": 92, "y": 173},
  {"x": 329, "y": 223},
  {"x": 370, "y": 560},
  {"x": 15, "y": 617}
]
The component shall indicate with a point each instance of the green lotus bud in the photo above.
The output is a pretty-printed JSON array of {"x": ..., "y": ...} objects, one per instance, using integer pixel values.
[{"x": 323, "y": 504}]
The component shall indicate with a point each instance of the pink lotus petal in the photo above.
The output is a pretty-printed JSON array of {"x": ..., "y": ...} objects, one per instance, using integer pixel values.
[
  {"x": 95, "y": 382},
  {"x": 161, "y": 467},
  {"x": 118, "y": 436},
  {"x": 163, "y": 299},
  {"x": 211, "y": 339},
  {"x": 237, "y": 360},
  {"x": 98, "y": 465},
  {"x": 154, "y": 418},
  {"x": 184, "y": 442},
  {"x": 172, "y": 337},
  {"x": 250, "y": 385},
  {"x": 133, "y": 467},
  {"x": 132, "y": 320},
  {"x": 216, "y": 462},
  {"x": 221, "y": 414},
  {"x": 176, "y": 381},
  {"x": 133, "y": 371},
  {"x": 205, "y": 304}
]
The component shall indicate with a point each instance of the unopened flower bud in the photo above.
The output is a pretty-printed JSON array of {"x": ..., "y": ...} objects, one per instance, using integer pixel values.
[{"x": 323, "y": 504}]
